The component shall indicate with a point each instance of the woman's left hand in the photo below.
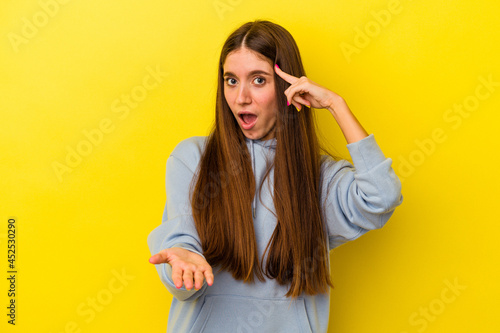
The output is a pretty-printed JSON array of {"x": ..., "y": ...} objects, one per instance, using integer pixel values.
[{"x": 304, "y": 91}]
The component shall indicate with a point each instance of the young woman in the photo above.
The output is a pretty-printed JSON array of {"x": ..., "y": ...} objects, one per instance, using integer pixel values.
[{"x": 242, "y": 258}]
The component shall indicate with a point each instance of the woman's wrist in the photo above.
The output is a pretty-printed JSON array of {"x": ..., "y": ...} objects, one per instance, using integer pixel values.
[
  {"x": 337, "y": 106},
  {"x": 350, "y": 126}
]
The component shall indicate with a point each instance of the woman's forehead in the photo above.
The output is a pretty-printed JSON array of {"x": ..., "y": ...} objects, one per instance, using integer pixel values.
[{"x": 244, "y": 56}]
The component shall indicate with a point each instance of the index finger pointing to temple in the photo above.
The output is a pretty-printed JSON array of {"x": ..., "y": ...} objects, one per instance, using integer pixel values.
[{"x": 285, "y": 76}]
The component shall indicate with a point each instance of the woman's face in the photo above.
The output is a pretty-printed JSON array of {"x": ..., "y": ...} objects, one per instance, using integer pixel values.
[{"x": 249, "y": 88}]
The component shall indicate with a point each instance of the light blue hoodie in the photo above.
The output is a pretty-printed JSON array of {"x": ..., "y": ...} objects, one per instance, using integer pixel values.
[{"x": 358, "y": 199}]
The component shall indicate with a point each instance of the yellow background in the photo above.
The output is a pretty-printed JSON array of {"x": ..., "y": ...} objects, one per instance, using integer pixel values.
[{"x": 78, "y": 230}]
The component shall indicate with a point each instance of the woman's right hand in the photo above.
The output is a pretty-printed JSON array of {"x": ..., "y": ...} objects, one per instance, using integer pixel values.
[{"x": 187, "y": 267}]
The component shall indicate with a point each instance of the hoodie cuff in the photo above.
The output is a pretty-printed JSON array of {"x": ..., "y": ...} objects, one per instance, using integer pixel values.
[{"x": 365, "y": 153}]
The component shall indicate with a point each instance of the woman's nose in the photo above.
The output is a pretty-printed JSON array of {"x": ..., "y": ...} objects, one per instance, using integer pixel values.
[{"x": 243, "y": 95}]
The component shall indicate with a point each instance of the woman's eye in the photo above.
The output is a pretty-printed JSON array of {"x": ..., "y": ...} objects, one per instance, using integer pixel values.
[
  {"x": 262, "y": 80},
  {"x": 259, "y": 80}
]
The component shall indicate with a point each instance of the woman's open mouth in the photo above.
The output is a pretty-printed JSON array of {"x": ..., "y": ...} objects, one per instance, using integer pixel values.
[{"x": 247, "y": 120}]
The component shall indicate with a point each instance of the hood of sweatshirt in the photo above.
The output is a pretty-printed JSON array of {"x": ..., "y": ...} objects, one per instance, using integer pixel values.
[{"x": 253, "y": 146}]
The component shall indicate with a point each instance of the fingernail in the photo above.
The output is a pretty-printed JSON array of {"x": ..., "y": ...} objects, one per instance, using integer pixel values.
[
  {"x": 288, "y": 103},
  {"x": 297, "y": 108},
  {"x": 277, "y": 66}
]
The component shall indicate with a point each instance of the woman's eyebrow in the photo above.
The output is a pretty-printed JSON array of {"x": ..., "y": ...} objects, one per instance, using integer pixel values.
[{"x": 257, "y": 71}]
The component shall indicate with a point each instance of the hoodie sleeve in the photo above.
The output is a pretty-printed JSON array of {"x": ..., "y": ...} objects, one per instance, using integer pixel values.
[
  {"x": 177, "y": 228},
  {"x": 359, "y": 198}
]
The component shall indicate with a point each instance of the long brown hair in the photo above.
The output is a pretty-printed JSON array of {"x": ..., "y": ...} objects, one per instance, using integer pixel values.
[{"x": 225, "y": 185}]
